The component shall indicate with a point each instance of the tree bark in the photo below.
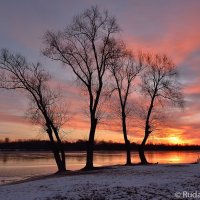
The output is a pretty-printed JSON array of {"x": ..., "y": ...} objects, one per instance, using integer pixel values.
[
  {"x": 61, "y": 148},
  {"x": 147, "y": 130},
  {"x": 142, "y": 149},
  {"x": 90, "y": 144},
  {"x": 60, "y": 164},
  {"x": 127, "y": 142}
]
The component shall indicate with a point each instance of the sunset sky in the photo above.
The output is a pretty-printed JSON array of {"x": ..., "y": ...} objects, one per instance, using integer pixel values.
[{"x": 171, "y": 27}]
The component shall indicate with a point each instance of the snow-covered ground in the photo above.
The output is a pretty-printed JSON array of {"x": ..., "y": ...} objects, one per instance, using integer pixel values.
[{"x": 119, "y": 182}]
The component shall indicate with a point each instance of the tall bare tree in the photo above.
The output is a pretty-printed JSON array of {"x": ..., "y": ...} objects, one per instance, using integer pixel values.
[
  {"x": 86, "y": 46},
  {"x": 161, "y": 87},
  {"x": 124, "y": 70},
  {"x": 17, "y": 73}
]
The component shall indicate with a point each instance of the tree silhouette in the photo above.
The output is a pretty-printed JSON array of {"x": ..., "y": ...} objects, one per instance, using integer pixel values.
[
  {"x": 161, "y": 87},
  {"x": 124, "y": 70},
  {"x": 17, "y": 73},
  {"x": 86, "y": 46}
]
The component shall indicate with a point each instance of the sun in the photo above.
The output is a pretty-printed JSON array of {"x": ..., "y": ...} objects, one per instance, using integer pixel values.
[{"x": 174, "y": 140}]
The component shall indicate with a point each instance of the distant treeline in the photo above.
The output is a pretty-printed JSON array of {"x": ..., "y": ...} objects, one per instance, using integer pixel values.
[{"x": 80, "y": 145}]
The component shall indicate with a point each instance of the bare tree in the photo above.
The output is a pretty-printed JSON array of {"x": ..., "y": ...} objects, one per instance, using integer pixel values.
[
  {"x": 161, "y": 87},
  {"x": 86, "y": 46},
  {"x": 17, "y": 73},
  {"x": 124, "y": 70}
]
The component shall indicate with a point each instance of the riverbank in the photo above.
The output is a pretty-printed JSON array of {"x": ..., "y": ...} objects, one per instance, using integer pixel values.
[
  {"x": 117, "y": 182},
  {"x": 81, "y": 145}
]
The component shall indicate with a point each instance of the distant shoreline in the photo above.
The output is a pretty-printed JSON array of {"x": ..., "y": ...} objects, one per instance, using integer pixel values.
[
  {"x": 81, "y": 145},
  {"x": 102, "y": 150}
]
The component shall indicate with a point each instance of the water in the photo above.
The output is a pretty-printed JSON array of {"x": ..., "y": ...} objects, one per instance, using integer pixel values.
[{"x": 21, "y": 165}]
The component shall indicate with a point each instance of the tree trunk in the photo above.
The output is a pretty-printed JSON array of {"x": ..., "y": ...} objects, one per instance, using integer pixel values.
[
  {"x": 141, "y": 151},
  {"x": 62, "y": 156},
  {"x": 128, "y": 153},
  {"x": 90, "y": 144},
  {"x": 60, "y": 165},
  {"x": 59, "y": 161},
  {"x": 61, "y": 153},
  {"x": 147, "y": 131},
  {"x": 60, "y": 148},
  {"x": 127, "y": 142}
]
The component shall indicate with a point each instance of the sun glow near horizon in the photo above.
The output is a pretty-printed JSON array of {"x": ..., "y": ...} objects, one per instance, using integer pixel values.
[{"x": 175, "y": 140}]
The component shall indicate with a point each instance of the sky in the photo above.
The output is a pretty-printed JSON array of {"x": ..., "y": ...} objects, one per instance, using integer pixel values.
[{"x": 170, "y": 27}]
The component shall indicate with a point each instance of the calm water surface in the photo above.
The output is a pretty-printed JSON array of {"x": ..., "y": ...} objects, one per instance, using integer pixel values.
[{"x": 21, "y": 165}]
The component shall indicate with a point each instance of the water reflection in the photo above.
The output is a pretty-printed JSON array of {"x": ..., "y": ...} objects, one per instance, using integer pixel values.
[
  {"x": 100, "y": 158},
  {"x": 17, "y": 165}
]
